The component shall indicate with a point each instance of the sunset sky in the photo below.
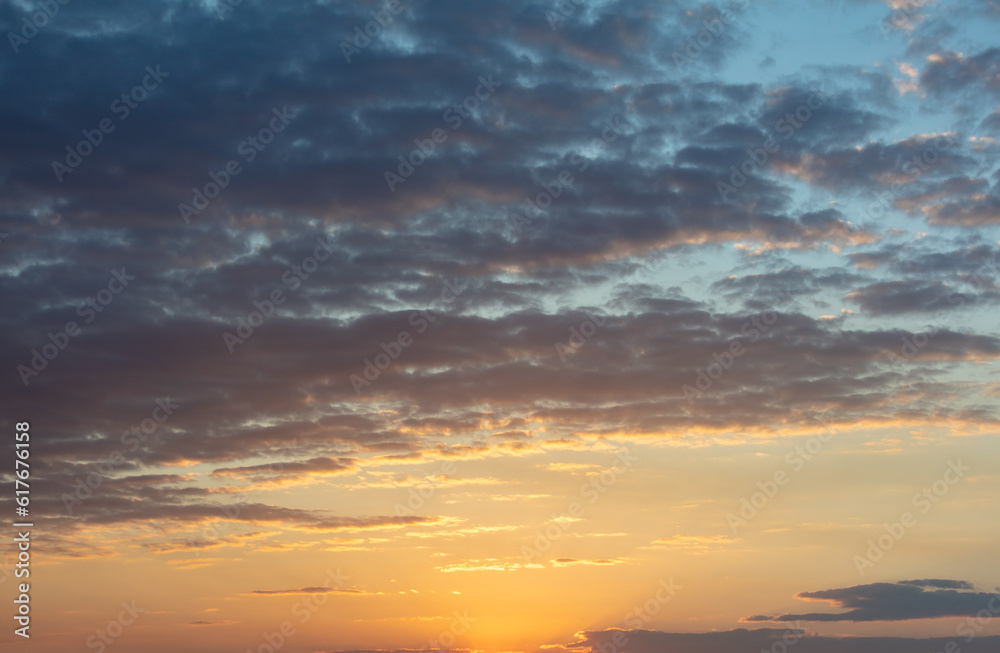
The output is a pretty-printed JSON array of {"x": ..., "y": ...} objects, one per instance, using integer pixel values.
[{"x": 601, "y": 326}]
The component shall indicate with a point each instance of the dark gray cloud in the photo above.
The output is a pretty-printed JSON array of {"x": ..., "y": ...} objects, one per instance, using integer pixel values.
[
  {"x": 647, "y": 641},
  {"x": 919, "y": 599},
  {"x": 321, "y": 465},
  {"x": 977, "y": 211},
  {"x": 950, "y": 73},
  {"x": 303, "y": 590},
  {"x": 910, "y": 296},
  {"x": 876, "y": 165},
  {"x": 763, "y": 291},
  {"x": 944, "y": 584},
  {"x": 933, "y": 257}
]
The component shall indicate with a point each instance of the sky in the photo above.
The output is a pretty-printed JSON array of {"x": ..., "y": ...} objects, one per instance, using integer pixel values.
[{"x": 601, "y": 326}]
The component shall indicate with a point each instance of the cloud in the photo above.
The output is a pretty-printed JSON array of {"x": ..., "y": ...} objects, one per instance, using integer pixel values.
[
  {"x": 303, "y": 590},
  {"x": 944, "y": 584},
  {"x": 203, "y": 622},
  {"x": 694, "y": 543},
  {"x": 314, "y": 467},
  {"x": 950, "y": 73},
  {"x": 896, "y": 602},
  {"x": 910, "y": 296},
  {"x": 488, "y": 564},
  {"x": 978, "y": 210},
  {"x": 572, "y": 562},
  {"x": 872, "y": 166},
  {"x": 648, "y": 641}
]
